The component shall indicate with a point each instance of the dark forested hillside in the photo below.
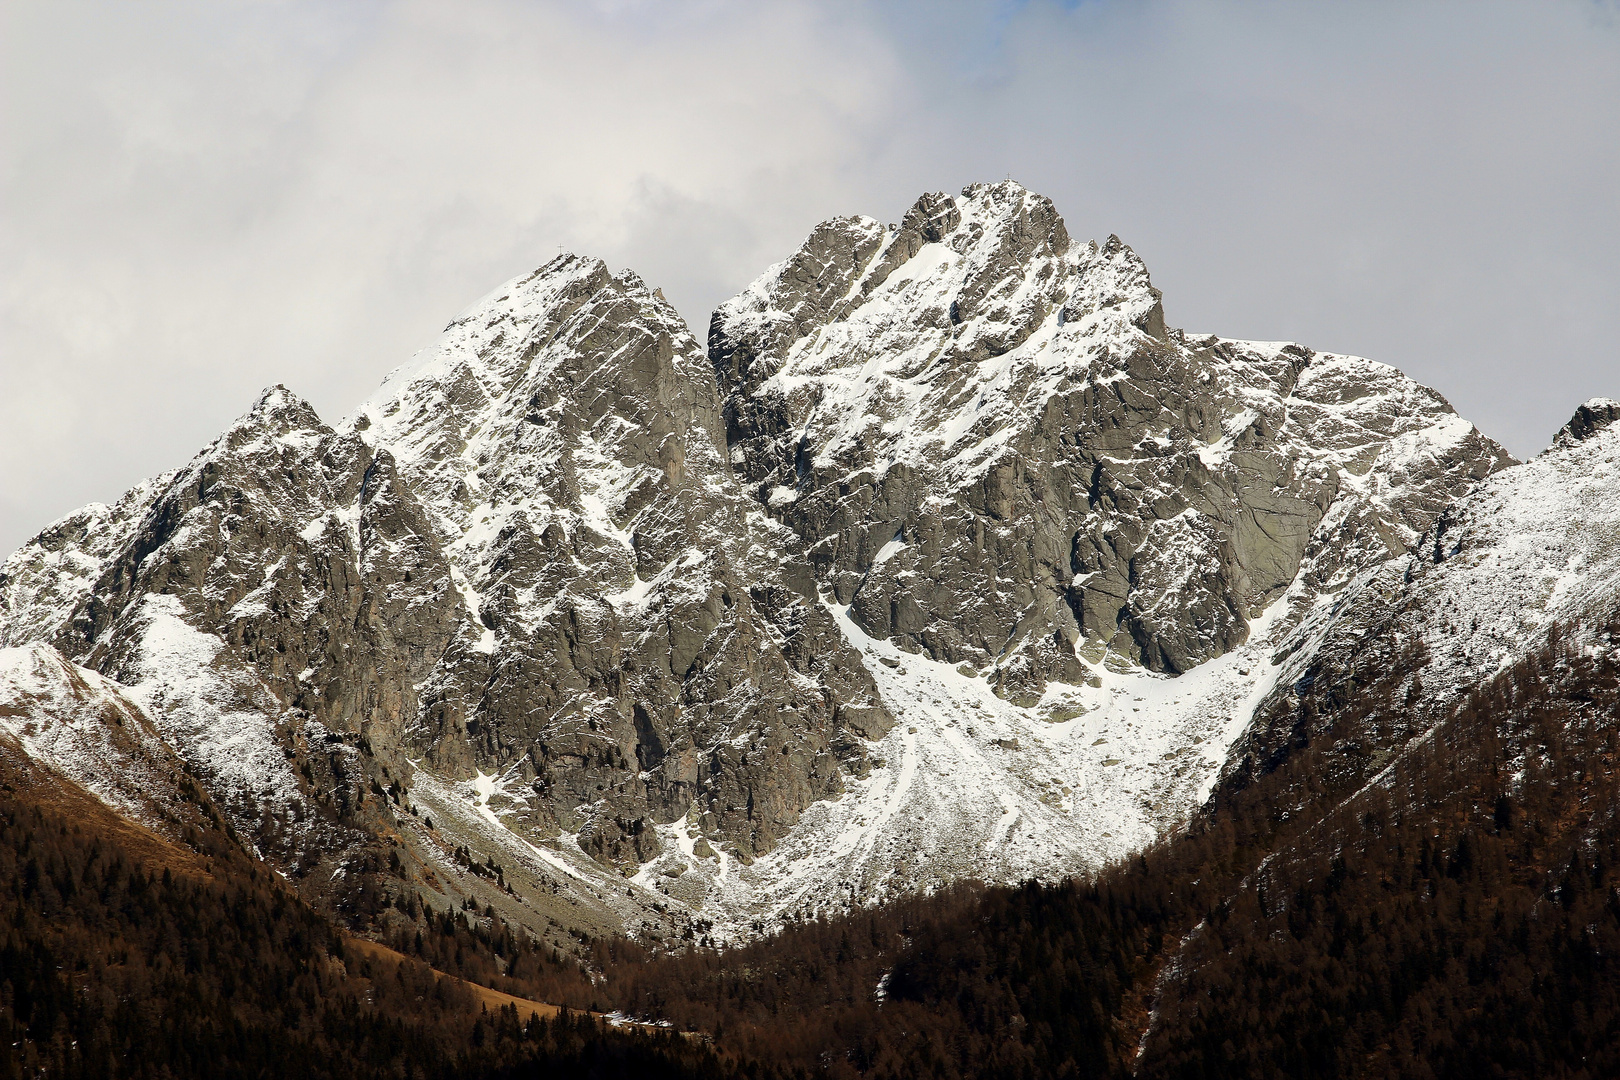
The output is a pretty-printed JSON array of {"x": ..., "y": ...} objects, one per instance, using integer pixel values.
[{"x": 1460, "y": 916}]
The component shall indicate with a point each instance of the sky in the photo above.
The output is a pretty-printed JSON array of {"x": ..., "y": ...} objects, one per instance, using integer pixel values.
[{"x": 198, "y": 200}]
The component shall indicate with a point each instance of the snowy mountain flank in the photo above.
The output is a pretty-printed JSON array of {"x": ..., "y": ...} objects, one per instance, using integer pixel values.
[
  {"x": 945, "y": 557},
  {"x": 1534, "y": 550}
]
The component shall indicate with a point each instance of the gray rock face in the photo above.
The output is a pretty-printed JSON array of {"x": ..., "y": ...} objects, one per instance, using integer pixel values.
[
  {"x": 998, "y": 455},
  {"x": 650, "y": 651}
]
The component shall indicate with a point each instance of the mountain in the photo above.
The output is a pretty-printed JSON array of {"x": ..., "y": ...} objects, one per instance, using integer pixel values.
[
  {"x": 1129, "y": 490},
  {"x": 1072, "y": 538},
  {"x": 948, "y": 557},
  {"x": 649, "y": 653}
]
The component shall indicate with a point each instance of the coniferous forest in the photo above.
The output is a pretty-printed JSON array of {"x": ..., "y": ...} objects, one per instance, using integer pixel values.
[
  {"x": 1458, "y": 915},
  {"x": 124, "y": 956}
]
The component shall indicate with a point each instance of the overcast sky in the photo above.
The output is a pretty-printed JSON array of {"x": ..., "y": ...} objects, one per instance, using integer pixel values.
[{"x": 198, "y": 200}]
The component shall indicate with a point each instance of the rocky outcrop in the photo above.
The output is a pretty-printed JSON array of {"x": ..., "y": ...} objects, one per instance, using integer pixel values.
[
  {"x": 1591, "y": 418},
  {"x": 998, "y": 455},
  {"x": 649, "y": 651}
]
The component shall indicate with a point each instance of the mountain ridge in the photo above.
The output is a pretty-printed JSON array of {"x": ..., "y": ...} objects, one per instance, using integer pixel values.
[{"x": 868, "y": 595}]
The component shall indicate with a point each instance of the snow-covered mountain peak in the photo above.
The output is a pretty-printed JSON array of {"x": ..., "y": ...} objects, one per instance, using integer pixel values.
[
  {"x": 474, "y": 421},
  {"x": 1592, "y": 417},
  {"x": 522, "y": 308},
  {"x": 901, "y": 308},
  {"x": 973, "y": 373},
  {"x": 948, "y": 557},
  {"x": 280, "y": 408}
]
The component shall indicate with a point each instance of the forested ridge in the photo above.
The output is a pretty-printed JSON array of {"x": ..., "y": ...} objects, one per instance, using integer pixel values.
[
  {"x": 122, "y": 955},
  {"x": 1455, "y": 913}
]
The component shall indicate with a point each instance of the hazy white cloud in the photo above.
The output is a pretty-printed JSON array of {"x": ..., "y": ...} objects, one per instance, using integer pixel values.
[{"x": 197, "y": 200}]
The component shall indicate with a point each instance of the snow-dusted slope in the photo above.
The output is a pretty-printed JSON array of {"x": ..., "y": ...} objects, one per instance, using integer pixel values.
[
  {"x": 88, "y": 729},
  {"x": 969, "y": 785},
  {"x": 1537, "y": 544}
]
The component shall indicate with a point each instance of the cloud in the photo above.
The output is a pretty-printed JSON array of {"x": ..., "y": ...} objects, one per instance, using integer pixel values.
[
  {"x": 202, "y": 199},
  {"x": 208, "y": 198}
]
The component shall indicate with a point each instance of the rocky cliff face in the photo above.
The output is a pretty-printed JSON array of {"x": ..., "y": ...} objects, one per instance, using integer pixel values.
[
  {"x": 947, "y": 557},
  {"x": 649, "y": 649},
  {"x": 999, "y": 456}
]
